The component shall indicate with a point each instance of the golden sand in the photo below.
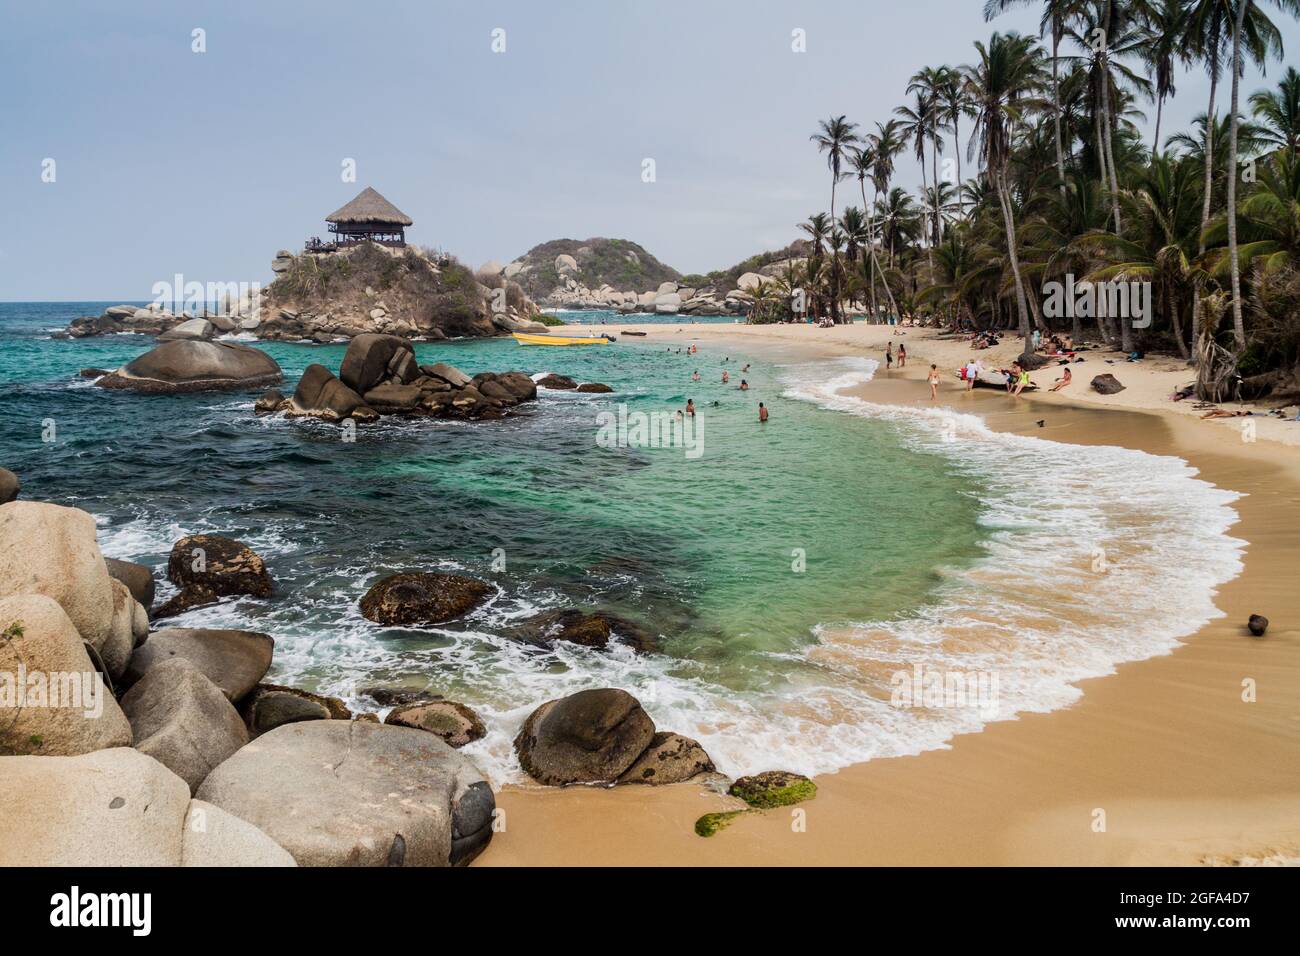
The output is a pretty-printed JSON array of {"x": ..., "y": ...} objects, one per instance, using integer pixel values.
[{"x": 1163, "y": 762}]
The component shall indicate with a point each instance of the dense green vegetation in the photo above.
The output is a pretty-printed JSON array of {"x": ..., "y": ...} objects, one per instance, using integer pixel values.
[{"x": 1034, "y": 169}]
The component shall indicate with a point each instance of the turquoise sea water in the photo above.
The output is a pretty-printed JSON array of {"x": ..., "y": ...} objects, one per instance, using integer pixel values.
[{"x": 791, "y": 568}]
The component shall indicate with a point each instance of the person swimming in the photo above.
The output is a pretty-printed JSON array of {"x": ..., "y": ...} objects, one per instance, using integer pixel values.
[
  {"x": 762, "y": 412},
  {"x": 725, "y": 378},
  {"x": 744, "y": 386},
  {"x": 695, "y": 377}
]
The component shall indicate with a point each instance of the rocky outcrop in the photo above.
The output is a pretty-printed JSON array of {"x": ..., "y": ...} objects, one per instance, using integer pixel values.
[
  {"x": 380, "y": 376},
  {"x": 455, "y": 723},
  {"x": 182, "y": 720},
  {"x": 208, "y": 567},
  {"x": 117, "y": 808},
  {"x": 670, "y": 758},
  {"x": 587, "y": 273},
  {"x": 10, "y": 486},
  {"x": 192, "y": 329},
  {"x": 422, "y": 598},
  {"x": 233, "y": 660},
  {"x": 320, "y": 395},
  {"x": 362, "y": 794},
  {"x": 369, "y": 289},
  {"x": 52, "y": 700},
  {"x": 119, "y": 319},
  {"x": 196, "y": 366},
  {"x": 593, "y": 736},
  {"x": 273, "y": 705},
  {"x": 557, "y": 382}
]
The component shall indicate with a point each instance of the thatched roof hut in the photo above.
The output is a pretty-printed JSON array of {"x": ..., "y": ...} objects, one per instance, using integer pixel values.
[{"x": 369, "y": 217}]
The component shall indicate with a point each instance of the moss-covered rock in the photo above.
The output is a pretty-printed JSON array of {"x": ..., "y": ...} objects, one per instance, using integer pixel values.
[
  {"x": 711, "y": 823},
  {"x": 774, "y": 788}
]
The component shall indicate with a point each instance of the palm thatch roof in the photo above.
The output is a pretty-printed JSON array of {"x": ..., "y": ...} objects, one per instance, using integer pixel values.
[{"x": 369, "y": 206}]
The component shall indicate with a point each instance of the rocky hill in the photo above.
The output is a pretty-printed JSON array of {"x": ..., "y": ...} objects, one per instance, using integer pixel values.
[
  {"x": 620, "y": 275},
  {"x": 548, "y": 271}
]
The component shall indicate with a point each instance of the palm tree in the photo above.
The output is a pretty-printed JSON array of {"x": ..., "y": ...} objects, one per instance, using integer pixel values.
[
  {"x": 1280, "y": 111},
  {"x": 1238, "y": 29},
  {"x": 999, "y": 84},
  {"x": 836, "y": 137},
  {"x": 1210, "y": 25},
  {"x": 1055, "y": 15},
  {"x": 1166, "y": 25},
  {"x": 817, "y": 228},
  {"x": 1269, "y": 219},
  {"x": 954, "y": 103},
  {"x": 898, "y": 217},
  {"x": 917, "y": 124}
]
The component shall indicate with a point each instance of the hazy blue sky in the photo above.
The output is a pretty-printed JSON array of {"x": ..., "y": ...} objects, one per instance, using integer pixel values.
[{"x": 205, "y": 164}]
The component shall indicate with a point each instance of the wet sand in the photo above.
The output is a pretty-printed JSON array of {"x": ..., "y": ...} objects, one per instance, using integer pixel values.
[{"x": 1161, "y": 763}]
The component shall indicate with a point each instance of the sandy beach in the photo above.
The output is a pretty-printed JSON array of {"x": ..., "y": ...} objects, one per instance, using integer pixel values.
[{"x": 1163, "y": 762}]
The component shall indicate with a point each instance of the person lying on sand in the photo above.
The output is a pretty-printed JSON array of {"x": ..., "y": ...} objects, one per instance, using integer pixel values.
[
  {"x": 1064, "y": 380},
  {"x": 1224, "y": 413}
]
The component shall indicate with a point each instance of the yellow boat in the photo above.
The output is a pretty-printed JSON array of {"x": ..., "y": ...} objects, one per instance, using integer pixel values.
[{"x": 526, "y": 338}]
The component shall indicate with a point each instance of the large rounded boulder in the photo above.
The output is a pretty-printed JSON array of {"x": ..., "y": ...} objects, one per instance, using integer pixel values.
[
  {"x": 593, "y": 736},
  {"x": 372, "y": 358},
  {"x": 52, "y": 700},
  {"x": 196, "y": 366},
  {"x": 221, "y": 565},
  {"x": 321, "y": 395},
  {"x": 353, "y": 793},
  {"x": 422, "y": 597},
  {"x": 51, "y": 550},
  {"x": 233, "y": 660}
]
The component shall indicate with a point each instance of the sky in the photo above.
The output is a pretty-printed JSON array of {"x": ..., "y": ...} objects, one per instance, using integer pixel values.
[{"x": 167, "y": 160}]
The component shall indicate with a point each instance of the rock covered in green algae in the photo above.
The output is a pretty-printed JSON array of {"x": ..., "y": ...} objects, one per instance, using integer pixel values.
[
  {"x": 774, "y": 788},
  {"x": 711, "y": 823}
]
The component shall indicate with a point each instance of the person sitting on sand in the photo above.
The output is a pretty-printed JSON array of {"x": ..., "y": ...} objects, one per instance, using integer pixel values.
[
  {"x": 744, "y": 386},
  {"x": 762, "y": 412},
  {"x": 1022, "y": 379},
  {"x": 725, "y": 377},
  {"x": 933, "y": 379},
  {"x": 1064, "y": 380}
]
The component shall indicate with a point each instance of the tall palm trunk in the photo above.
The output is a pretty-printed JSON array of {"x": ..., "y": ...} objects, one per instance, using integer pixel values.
[
  {"x": 1022, "y": 305},
  {"x": 1238, "y": 326},
  {"x": 956, "y": 147},
  {"x": 938, "y": 220},
  {"x": 1056, "y": 104},
  {"x": 835, "y": 284},
  {"x": 1207, "y": 199},
  {"x": 1160, "y": 109}
]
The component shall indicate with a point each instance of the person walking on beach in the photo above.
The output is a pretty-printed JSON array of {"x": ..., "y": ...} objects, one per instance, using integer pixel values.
[
  {"x": 762, "y": 413},
  {"x": 902, "y": 354},
  {"x": 972, "y": 374},
  {"x": 889, "y": 356},
  {"x": 933, "y": 379}
]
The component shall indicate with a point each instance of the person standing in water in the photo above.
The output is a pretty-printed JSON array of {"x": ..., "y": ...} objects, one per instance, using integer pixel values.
[
  {"x": 889, "y": 356},
  {"x": 902, "y": 354},
  {"x": 725, "y": 377},
  {"x": 695, "y": 376},
  {"x": 690, "y": 407},
  {"x": 933, "y": 379},
  {"x": 744, "y": 386},
  {"x": 762, "y": 413}
]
